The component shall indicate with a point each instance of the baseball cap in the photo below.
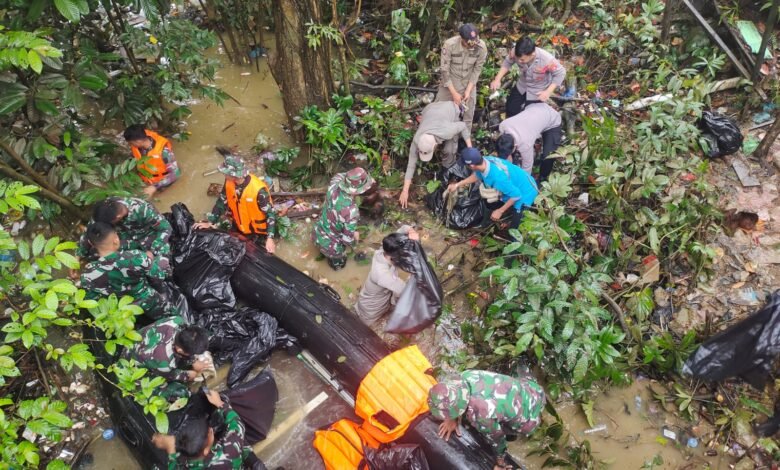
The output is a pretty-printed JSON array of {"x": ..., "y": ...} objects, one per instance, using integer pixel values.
[
  {"x": 425, "y": 146},
  {"x": 469, "y": 33},
  {"x": 471, "y": 156}
]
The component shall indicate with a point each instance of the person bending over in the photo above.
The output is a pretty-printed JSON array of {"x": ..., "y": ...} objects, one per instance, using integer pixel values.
[{"x": 156, "y": 163}]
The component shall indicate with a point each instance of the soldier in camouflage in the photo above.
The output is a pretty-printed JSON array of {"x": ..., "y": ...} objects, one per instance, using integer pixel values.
[
  {"x": 496, "y": 405},
  {"x": 197, "y": 446},
  {"x": 128, "y": 272},
  {"x": 336, "y": 229},
  {"x": 139, "y": 225},
  {"x": 166, "y": 349}
]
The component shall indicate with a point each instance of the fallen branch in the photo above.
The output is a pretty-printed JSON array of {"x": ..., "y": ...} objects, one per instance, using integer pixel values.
[
  {"x": 62, "y": 201},
  {"x": 619, "y": 314},
  {"x": 300, "y": 214},
  {"x": 392, "y": 87},
  {"x": 311, "y": 192}
]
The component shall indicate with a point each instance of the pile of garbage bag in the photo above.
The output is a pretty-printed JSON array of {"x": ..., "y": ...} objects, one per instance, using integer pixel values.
[
  {"x": 204, "y": 261},
  {"x": 747, "y": 349},
  {"x": 467, "y": 210},
  {"x": 721, "y": 133},
  {"x": 419, "y": 304},
  {"x": 400, "y": 456}
]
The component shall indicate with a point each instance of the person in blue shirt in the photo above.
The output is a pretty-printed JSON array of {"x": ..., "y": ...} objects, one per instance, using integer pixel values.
[{"x": 517, "y": 187}]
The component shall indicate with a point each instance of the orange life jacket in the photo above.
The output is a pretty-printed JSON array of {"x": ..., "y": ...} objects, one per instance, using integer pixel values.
[
  {"x": 153, "y": 166},
  {"x": 341, "y": 445},
  {"x": 394, "y": 393},
  {"x": 247, "y": 215}
]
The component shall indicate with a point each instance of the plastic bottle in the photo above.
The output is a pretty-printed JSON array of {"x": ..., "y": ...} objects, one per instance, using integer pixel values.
[
  {"x": 108, "y": 434},
  {"x": 638, "y": 402}
]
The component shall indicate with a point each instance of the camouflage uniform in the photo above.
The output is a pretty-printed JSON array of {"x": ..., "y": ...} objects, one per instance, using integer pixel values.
[
  {"x": 227, "y": 453},
  {"x": 336, "y": 227},
  {"x": 494, "y": 404},
  {"x": 155, "y": 352},
  {"x": 128, "y": 272},
  {"x": 143, "y": 228}
]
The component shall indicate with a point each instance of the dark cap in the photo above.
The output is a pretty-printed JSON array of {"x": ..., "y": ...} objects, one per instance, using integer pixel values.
[
  {"x": 471, "y": 156},
  {"x": 469, "y": 33}
]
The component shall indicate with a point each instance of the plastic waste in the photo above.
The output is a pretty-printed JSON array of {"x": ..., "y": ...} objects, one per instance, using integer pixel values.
[
  {"x": 469, "y": 208},
  {"x": 721, "y": 132},
  {"x": 108, "y": 434},
  {"x": 244, "y": 338},
  {"x": 599, "y": 428},
  {"x": 668, "y": 433},
  {"x": 747, "y": 349},
  {"x": 245, "y": 398},
  {"x": 419, "y": 305},
  {"x": 638, "y": 403},
  {"x": 692, "y": 442},
  {"x": 204, "y": 261},
  {"x": 401, "y": 456}
]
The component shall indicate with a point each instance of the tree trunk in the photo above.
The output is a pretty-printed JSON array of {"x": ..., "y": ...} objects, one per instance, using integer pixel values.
[
  {"x": 431, "y": 31},
  {"x": 341, "y": 47},
  {"x": 530, "y": 9},
  {"x": 302, "y": 73},
  {"x": 766, "y": 143}
]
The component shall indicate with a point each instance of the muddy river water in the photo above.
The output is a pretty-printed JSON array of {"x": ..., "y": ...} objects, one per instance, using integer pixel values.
[{"x": 633, "y": 420}]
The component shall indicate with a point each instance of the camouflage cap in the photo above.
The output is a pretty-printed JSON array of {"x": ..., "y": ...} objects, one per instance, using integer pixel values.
[
  {"x": 233, "y": 166},
  {"x": 448, "y": 399},
  {"x": 356, "y": 181}
]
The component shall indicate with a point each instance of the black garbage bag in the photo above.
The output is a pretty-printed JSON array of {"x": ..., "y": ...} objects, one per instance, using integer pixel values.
[
  {"x": 203, "y": 261},
  {"x": 419, "y": 305},
  {"x": 255, "y": 403},
  {"x": 244, "y": 338},
  {"x": 747, "y": 349},
  {"x": 721, "y": 132},
  {"x": 469, "y": 209},
  {"x": 397, "y": 457},
  {"x": 176, "y": 297}
]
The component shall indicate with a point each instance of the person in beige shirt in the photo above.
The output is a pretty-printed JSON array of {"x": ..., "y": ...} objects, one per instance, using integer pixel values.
[
  {"x": 383, "y": 286},
  {"x": 462, "y": 58},
  {"x": 440, "y": 124}
]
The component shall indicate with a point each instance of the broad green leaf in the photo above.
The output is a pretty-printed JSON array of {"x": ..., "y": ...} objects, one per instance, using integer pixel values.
[
  {"x": 37, "y": 245},
  {"x": 57, "y": 419},
  {"x": 51, "y": 300},
  {"x": 69, "y": 9},
  {"x": 35, "y": 61},
  {"x": 655, "y": 244},
  {"x": 161, "y": 421}
]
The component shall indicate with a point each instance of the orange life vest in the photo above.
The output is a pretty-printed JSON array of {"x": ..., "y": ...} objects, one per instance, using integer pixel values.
[
  {"x": 247, "y": 215},
  {"x": 394, "y": 393},
  {"x": 341, "y": 445},
  {"x": 153, "y": 166}
]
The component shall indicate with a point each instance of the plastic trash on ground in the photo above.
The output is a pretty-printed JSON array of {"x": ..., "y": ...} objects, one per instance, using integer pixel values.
[
  {"x": 401, "y": 456},
  {"x": 469, "y": 208},
  {"x": 419, "y": 305},
  {"x": 747, "y": 349},
  {"x": 721, "y": 132}
]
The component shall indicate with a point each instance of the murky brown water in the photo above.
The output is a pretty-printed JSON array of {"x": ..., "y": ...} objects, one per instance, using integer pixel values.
[{"x": 630, "y": 439}]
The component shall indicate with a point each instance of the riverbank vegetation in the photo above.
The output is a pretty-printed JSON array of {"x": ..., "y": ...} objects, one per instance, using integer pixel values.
[{"x": 624, "y": 226}]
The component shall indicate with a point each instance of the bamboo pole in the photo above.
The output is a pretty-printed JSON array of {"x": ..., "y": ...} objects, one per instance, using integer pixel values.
[{"x": 768, "y": 29}]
